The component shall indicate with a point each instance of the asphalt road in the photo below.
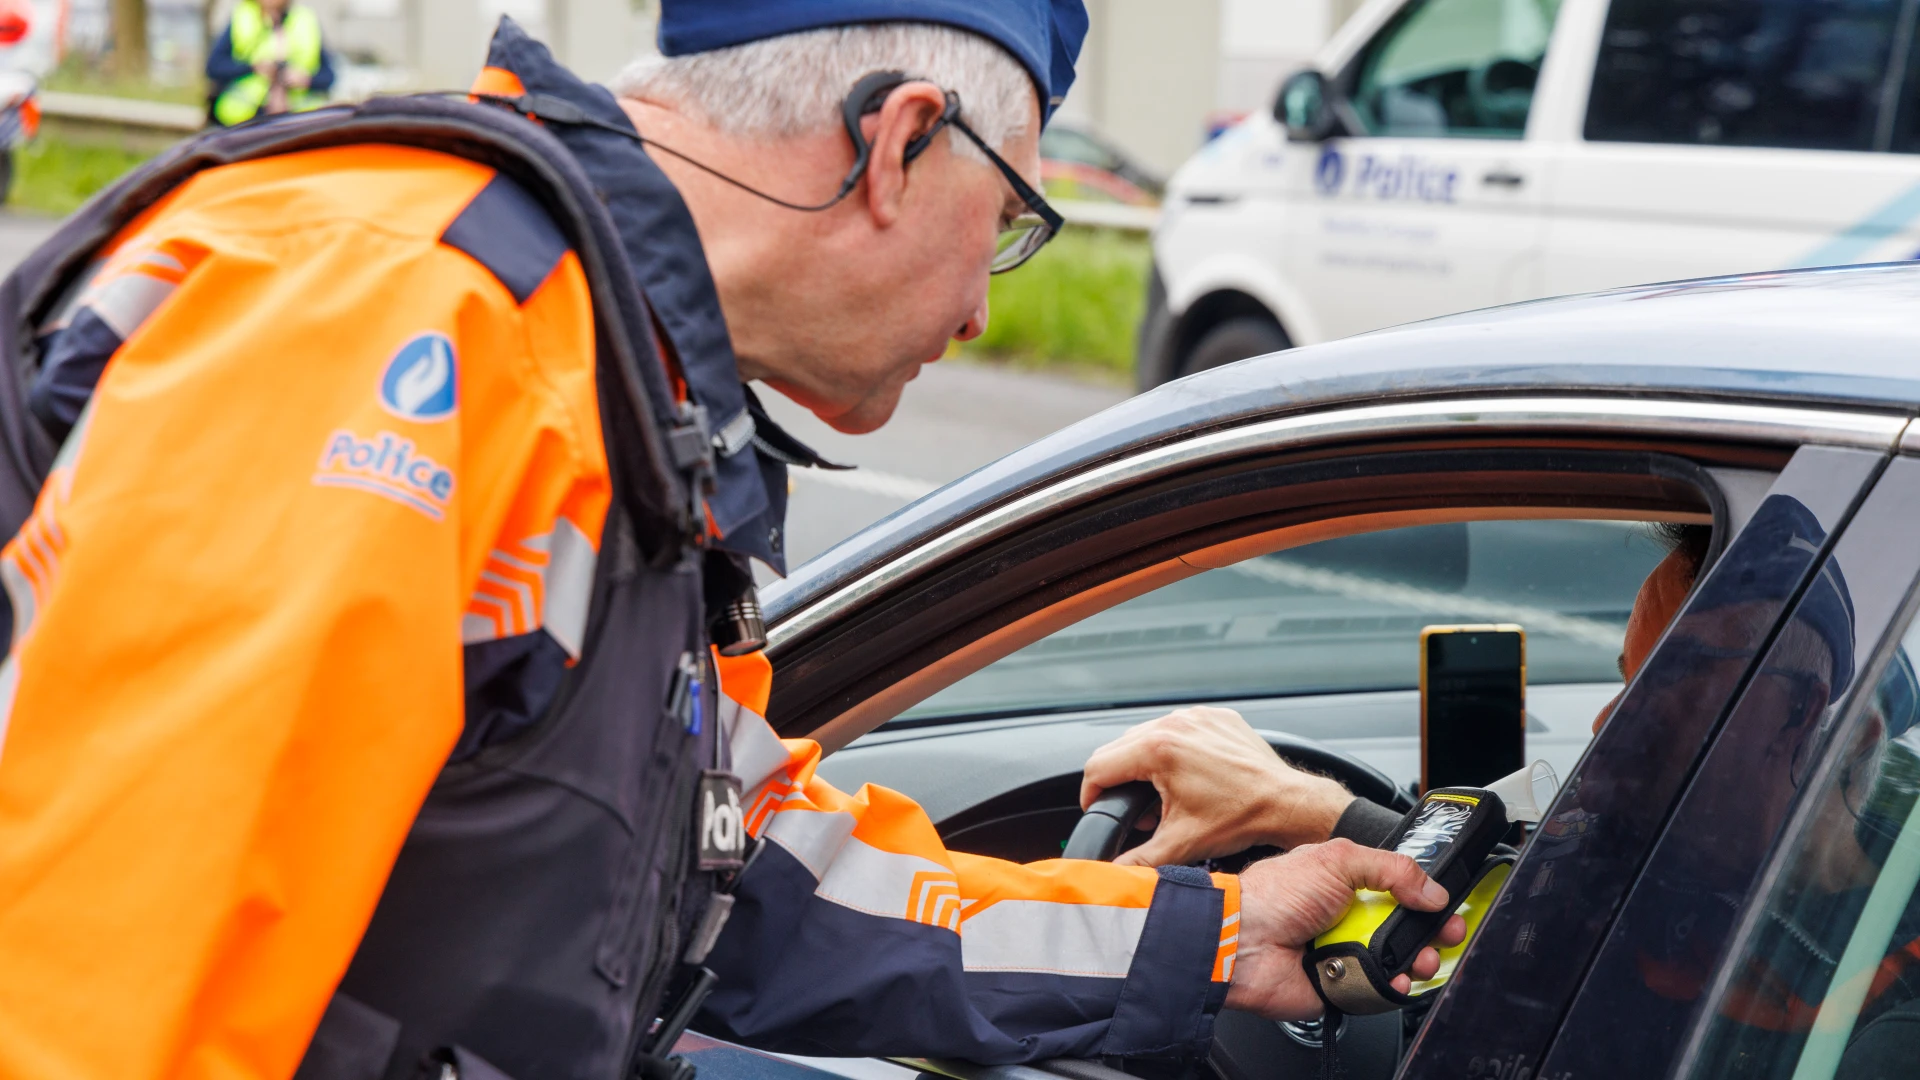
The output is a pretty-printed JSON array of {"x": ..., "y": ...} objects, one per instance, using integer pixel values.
[
  {"x": 19, "y": 235},
  {"x": 953, "y": 419}
]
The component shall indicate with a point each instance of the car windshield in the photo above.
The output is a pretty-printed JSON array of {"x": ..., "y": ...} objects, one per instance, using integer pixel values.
[{"x": 1337, "y": 616}]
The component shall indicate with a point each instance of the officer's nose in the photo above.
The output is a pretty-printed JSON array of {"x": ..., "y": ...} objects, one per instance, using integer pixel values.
[{"x": 975, "y": 325}]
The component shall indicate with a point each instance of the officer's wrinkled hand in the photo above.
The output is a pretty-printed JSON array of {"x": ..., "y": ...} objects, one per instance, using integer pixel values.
[
  {"x": 1286, "y": 902},
  {"x": 1222, "y": 788}
]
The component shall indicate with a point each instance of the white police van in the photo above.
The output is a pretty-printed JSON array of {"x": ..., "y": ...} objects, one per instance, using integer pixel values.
[{"x": 1453, "y": 154}]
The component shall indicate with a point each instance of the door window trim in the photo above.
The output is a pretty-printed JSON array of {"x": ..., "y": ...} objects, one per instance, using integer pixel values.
[{"x": 1553, "y": 416}]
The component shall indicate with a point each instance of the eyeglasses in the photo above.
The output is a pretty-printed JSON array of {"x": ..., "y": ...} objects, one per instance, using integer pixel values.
[{"x": 1027, "y": 233}]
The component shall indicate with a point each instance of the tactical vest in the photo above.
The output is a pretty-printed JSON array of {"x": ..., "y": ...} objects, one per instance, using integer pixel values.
[{"x": 552, "y": 890}]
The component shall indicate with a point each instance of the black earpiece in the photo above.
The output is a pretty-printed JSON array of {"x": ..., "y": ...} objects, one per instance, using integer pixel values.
[{"x": 866, "y": 97}]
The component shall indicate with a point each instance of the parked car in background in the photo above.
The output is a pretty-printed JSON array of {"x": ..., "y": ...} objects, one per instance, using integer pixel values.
[
  {"x": 1445, "y": 155},
  {"x": 1077, "y": 163},
  {"x": 1728, "y": 884}
]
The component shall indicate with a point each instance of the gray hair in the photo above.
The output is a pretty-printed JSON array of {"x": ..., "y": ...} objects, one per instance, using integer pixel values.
[{"x": 793, "y": 84}]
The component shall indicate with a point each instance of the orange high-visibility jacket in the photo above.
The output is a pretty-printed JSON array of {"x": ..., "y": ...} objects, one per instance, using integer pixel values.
[{"x": 321, "y": 458}]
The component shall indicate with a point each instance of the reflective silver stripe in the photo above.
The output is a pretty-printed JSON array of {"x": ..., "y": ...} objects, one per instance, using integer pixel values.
[
  {"x": 9, "y": 682},
  {"x": 815, "y": 837},
  {"x": 569, "y": 585},
  {"x": 758, "y": 755},
  {"x": 1043, "y": 936},
  {"x": 1450, "y": 417},
  {"x": 20, "y": 595},
  {"x": 865, "y": 878},
  {"x": 128, "y": 301}
]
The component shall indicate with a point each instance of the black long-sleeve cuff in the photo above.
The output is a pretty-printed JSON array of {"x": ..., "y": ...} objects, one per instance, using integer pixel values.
[{"x": 1366, "y": 823}]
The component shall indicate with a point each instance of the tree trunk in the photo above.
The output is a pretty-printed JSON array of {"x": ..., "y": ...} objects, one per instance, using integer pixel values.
[{"x": 129, "y": 58}]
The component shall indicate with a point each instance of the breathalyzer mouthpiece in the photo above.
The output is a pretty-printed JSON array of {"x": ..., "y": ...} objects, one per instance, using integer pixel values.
[{"x": 1527, "y": 793}]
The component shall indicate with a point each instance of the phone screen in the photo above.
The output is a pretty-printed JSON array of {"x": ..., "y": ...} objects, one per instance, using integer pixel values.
[{"x": 1472, "y": 706}]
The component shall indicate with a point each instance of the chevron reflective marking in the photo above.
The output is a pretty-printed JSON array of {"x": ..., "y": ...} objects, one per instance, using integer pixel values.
[
  {"x": 935, "y": 899},
  {"x": 515, "y": 597},
  {"x": 1091, "y": 940},
  {"x": 865, "y": 878},
  {"x": 547, "y": 584}
]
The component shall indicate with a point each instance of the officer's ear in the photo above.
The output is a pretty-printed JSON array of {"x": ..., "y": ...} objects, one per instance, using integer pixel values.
[{"x": 910, "y": 111}]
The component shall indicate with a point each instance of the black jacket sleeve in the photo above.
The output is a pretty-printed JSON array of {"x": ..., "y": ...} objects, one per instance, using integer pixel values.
[
  {"x": 1366, "y": 823},
  {"x": 222, "y": 67},
  {"x": 322, "y": 81}
]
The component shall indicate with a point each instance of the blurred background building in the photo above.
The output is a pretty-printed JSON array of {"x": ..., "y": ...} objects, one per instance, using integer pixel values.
[{"x": 1156, "y": 77}]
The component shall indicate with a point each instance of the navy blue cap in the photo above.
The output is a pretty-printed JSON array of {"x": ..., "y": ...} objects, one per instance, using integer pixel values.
[{"x": 1044, "y": 35}]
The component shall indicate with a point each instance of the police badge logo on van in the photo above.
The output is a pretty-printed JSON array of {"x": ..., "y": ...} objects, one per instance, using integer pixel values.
[{"x": 421, "y": 381}]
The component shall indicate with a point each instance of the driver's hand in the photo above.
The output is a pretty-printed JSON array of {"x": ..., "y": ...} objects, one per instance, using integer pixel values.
[
  {"x": 1222, "y": 788},
  {"x": 1286, "y": 902}
]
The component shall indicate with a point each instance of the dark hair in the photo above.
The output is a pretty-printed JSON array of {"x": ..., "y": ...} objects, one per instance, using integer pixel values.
[{"x": 1690, "y": 541}]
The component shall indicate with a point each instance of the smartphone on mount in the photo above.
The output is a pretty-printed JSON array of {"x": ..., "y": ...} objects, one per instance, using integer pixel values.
[{"x": 1473, "y": 704}]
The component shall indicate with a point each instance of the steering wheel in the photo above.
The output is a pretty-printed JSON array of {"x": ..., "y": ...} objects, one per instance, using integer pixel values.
[
  {"x": 1106, "y": 824},
  {"x": 1501, "y": 91},
  {"x": 1245, "y": 1046}
]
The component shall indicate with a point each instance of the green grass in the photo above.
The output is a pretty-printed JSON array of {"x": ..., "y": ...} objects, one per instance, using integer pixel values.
[
  {"x": 77, "y": 76},
  {"x": 55, "y": 177},
  {"x": 1076, "y": 304}
]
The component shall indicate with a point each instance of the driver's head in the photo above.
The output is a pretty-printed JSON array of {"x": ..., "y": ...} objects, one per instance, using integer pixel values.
[
  {"x": 1660, "y": 598},
  {"x": 839, "y": 308}
]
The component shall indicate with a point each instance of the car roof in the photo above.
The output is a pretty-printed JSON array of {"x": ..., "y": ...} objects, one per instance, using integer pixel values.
[{"x": 1846, "y": 337}]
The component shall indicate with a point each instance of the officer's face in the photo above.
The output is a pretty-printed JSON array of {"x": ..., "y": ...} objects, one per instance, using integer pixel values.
[
  {"x": 839, "y": 309},
  {"x": 916, "y": 282}
]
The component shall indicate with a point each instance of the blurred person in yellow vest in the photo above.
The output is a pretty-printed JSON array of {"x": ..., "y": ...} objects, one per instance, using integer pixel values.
[{"x": 269, "y": 60}]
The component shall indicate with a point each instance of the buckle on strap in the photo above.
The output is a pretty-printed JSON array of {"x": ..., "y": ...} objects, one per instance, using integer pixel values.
[{"x": 690, "y": 443}]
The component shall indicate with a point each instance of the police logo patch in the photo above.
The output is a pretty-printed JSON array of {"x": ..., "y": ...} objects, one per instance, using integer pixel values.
[
  {"x": 723, "y": 829},
  {"x": 421, "y": 381}
]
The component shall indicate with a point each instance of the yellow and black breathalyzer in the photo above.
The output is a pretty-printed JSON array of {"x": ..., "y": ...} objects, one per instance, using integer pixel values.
[{"x": 1452, "y": 834}]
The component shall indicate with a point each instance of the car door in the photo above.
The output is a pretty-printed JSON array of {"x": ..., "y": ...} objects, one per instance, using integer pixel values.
[
  {"x": 1531, "y": 955},
  {"x": 1728, "y": 137},
  {"x": 1435, "y": 205},
  {"x": 1792, "y": 948}
]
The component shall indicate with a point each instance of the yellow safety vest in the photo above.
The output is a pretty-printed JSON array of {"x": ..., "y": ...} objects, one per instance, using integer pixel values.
[{"x": 297, "y": 45}]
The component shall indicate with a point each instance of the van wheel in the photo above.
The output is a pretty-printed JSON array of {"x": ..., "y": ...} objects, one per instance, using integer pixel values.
[{"x": 1235, "y": 339}]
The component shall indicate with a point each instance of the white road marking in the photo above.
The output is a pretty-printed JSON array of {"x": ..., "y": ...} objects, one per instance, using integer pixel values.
[
  {"x": 1454, "y": 605},
  {"x": 867, "y": 481}
]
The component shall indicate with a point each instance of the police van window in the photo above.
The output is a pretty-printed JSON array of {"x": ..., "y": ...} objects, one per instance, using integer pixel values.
[
  {"x": 1803, "y": 74},
  {"x": 1463, "y": 68},
  {"x": 1827, "y": 982}
]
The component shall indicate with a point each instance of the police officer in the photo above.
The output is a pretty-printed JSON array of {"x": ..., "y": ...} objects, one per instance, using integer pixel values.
[
  {"x": 361, "y": 716},
  {"x": 270, "y": 59}
]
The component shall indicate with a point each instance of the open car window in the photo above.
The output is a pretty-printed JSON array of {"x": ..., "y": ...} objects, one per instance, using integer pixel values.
[
  {"x": 1337, "y": 616},
  {"x": 1828, "y": 982}
]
